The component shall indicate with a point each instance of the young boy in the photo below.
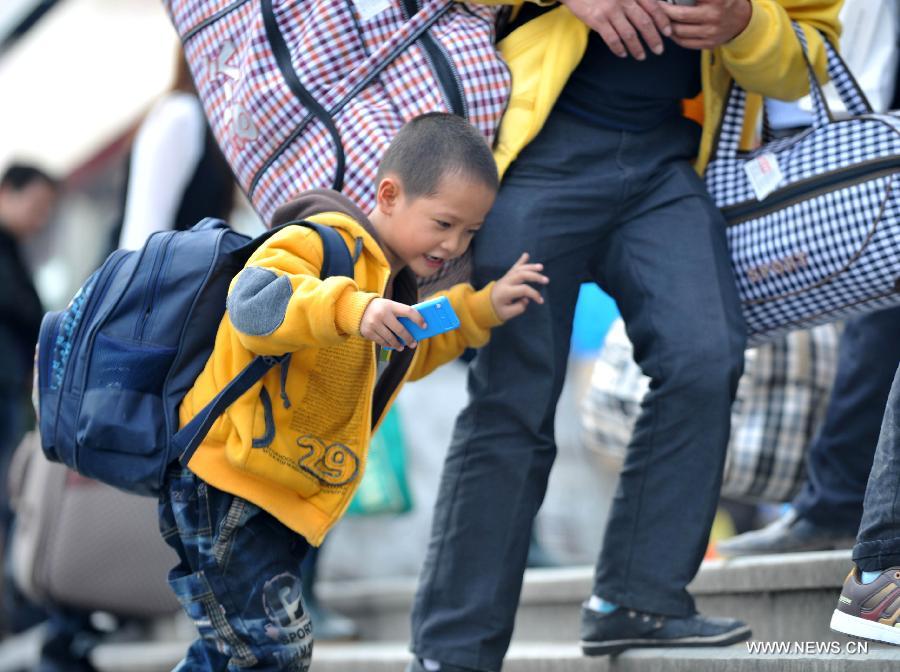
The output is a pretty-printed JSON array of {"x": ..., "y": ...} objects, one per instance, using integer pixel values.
[{"x": 280, "y": 467}]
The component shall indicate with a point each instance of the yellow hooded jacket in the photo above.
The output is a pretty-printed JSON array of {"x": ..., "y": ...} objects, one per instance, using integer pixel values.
[
  {"x": 765, "y": 59},
  {"x": 296, "y": 443}
]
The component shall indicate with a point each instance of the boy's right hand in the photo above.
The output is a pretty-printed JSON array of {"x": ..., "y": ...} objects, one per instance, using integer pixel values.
[{"x": 381, "y": 326}]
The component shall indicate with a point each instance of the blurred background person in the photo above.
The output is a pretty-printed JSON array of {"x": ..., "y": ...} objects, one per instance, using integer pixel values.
[
  {"x": 176, "y": 173},
  {"x": 27, "y": 199}
]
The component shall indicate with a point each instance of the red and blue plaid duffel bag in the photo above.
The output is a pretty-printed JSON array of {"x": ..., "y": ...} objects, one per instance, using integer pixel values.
[{"x": 308, "y": 94}]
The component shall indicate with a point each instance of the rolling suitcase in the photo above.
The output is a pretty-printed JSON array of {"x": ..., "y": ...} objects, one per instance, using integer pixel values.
[{"x": 82, "y": 544}]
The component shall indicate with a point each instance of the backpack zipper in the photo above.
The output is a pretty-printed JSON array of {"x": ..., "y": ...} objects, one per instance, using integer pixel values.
[
  {"x": 152, "y": 288},
  {"x": 93, "y": 303},
  {"x": 810, "y": 188},
  {"x": 147, "y": 289},
  {"x": 45, "y": 348}
]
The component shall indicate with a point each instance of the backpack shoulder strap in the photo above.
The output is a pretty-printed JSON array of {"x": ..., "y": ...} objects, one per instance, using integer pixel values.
[
  {"x": 337, "y": 261},
  {"x": 337, "y": 258}
]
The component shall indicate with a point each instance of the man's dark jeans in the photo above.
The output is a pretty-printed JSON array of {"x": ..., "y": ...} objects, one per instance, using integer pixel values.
[
  {"x": 840, "y": 457},
  {"x": 629, "y": 210},
  {"x": 878, "y": 543}
]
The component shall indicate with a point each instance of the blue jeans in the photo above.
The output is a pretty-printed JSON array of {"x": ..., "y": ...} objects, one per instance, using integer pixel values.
[
  {"x": 628, "y": 210},
  {"x": 878, "y": 542},
  {"x": 840, "y": 456},
  {"x": 238, "y": 579}
]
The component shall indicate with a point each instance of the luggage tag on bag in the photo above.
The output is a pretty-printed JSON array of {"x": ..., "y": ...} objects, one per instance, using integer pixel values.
[
  {"x": 370, "y": 8},
  {"x": 764, "y": 174}
]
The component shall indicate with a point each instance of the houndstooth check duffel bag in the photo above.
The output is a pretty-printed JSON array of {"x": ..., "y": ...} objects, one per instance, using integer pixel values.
[
  {"x": 814, "y": 219},
  {"x": 309, "y": 94}
]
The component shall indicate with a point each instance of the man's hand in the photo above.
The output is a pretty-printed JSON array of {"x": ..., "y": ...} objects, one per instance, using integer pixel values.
[
  {"x": 620, "y": 22},
  {"x": 380, "y": 324},
  {"x": 511, "y": 294},
  {"x": 709, "y": 23}
]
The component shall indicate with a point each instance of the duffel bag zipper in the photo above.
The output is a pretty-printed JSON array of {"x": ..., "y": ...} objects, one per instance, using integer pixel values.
[
  {"x": 285, "y": 65},
  {"x": 212, "y": 18},
  {"x": 390, "y": 58},
  {"x": 853, "y": 259},
  {"x": 446, "y": 73},
  {"x": 810, "y": 188}
]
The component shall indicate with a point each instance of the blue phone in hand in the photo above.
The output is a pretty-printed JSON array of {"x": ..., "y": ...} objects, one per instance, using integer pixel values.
[{"x": 439, "y": 316}]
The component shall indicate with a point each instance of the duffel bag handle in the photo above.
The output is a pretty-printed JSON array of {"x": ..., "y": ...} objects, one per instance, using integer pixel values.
[
  {"x": 851, "y": 94},
  {"x": 849, "y": 90}
]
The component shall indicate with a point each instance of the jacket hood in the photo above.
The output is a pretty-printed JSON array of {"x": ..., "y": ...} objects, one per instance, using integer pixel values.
[{"x": 317, "y": 201}]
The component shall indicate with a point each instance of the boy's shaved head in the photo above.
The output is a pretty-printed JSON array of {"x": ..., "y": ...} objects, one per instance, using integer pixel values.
[{"x": 434, "y": 145}]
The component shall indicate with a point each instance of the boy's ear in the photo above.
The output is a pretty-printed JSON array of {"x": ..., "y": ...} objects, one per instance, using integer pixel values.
[{"x": 389, "y": 193}]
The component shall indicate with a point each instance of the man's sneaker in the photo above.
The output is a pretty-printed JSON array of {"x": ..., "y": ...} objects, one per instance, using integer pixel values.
[
  {"x": 789, "y": 533},
  {"x": 610, "y": 634},
  {"x": 870, "y": 610}
]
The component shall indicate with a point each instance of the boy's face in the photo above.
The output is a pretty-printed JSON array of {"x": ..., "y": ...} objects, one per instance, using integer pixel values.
[{"x": 425, "y": 232}]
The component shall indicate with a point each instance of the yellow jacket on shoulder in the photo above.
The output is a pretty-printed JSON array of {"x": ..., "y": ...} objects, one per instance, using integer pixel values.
[{"x": 765, "y": 59}]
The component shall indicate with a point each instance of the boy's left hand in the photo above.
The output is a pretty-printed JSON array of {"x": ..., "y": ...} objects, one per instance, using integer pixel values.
[{"x": 511, "y": 294}]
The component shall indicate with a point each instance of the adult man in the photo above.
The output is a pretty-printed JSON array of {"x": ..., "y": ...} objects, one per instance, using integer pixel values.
[{"x": 601, "y": 184}]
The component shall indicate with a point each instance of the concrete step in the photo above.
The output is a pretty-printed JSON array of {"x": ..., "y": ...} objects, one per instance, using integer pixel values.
[
  {"x": 781, "y": 597},
  {"x": 547, "y": 657},
  {"x": 785, "y": 599}
]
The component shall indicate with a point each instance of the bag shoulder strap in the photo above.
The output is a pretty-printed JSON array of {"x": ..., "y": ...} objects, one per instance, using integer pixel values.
[
  {"x": 849, "y": 90},
  {"x": 337, "y": 261}
]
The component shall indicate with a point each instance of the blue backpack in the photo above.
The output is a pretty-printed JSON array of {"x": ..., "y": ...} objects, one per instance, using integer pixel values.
[{"x": 114, "y": 366}]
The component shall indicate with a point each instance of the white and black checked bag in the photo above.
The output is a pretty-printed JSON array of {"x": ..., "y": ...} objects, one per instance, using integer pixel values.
[
  {"x": 825, "y": 244},
  {"x": 779, "y": 408},
  {"x": 308, "y": 94}
]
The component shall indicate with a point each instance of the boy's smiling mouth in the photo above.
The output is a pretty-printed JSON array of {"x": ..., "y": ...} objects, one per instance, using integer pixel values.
[{"x": 434, "y": 262}]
